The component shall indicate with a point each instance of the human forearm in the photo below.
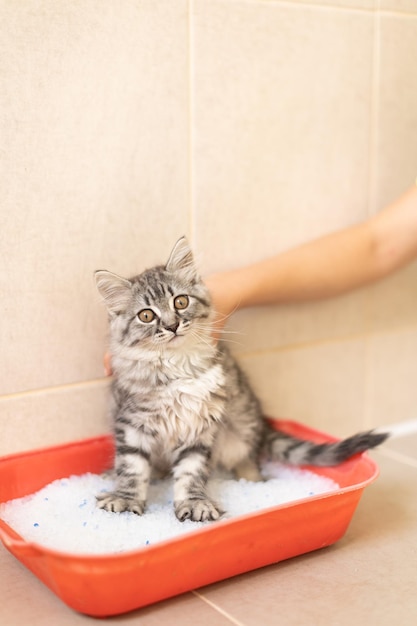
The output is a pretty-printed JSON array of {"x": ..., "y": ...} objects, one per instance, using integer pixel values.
[
  {"x": 321, "y": 268},
  {"x": 325, "y": 267}
]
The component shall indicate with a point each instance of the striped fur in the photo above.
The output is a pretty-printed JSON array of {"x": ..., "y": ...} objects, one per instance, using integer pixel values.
[{"x": 180, "y": 402}]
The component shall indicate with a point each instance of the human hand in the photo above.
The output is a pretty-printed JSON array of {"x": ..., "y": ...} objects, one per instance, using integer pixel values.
[{"x": 224, "y": 301}]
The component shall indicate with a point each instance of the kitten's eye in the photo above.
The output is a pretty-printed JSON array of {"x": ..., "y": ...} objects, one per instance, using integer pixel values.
[
  {"x": 146, "y": 315},
  {"x": 181, "y": 302}
]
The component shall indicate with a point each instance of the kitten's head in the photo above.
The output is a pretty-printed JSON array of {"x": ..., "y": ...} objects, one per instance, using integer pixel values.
[{"x": 161, "y": 307}]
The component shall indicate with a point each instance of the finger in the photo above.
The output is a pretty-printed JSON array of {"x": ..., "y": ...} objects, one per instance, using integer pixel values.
[{"x": 107, "y": 364}]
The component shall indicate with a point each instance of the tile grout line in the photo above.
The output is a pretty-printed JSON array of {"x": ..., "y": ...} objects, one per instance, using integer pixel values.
[
  {"x": 372, "y": 195},
  {"x": 191, "y": 125},
  {"x": 368, "y": 385},
  {"x": 326, "y": 341},
  {"x": 218, "y": 609},
  {"x": 310, "y": 5},
  {"x": 374, "y": 112},
  {"x": 328, "y": 7},
  {"x": 348, "y": 9},
  {"x": 295, "y": 347},
  {"x": 95, "y": 382}
]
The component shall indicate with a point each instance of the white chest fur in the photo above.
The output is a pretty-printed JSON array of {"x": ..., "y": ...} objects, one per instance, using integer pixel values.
[{"x": 185, "y": 394}]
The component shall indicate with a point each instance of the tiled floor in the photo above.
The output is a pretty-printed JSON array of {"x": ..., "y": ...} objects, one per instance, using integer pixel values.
[{"x": 369, "y": 577}]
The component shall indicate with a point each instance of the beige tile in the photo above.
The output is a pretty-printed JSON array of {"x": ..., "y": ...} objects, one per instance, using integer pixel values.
[
  {"x": 322, "y": 386},
  {"x": 94, "y": 157},
  {"x": 186, "y": 609},
  {"x": 396, "y": 146},
  {"x": 41, "y": 607},
  {"x": 392, "y": 392},
  {"x": 44, "y": 418},
  {"x": 281, "y": 121},
  {"x": 393, "y": 302},
  {"x": 269, "y": 327},
  {"x": 405, "y": 446},
  {"x": 367, "y": 577},
  {"x": 406, "y": 6}
]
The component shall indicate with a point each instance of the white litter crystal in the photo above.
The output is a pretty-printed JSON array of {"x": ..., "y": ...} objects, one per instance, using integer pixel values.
[{"x": 64, "y": 516}]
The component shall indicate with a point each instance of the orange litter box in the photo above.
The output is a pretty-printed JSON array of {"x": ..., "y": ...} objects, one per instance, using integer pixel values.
[{"x": 106, "y": 585}]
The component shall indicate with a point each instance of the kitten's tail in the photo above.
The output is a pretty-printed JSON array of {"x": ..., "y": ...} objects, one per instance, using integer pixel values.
[{"x": 288, "y": 449}]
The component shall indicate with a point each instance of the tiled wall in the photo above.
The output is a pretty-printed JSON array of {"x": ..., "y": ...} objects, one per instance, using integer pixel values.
[{"x": 250, "y": 126}]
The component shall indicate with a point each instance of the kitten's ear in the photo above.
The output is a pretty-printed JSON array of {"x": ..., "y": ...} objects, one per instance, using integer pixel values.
[
  {"x": 115, "y": 290},
  {"x": 182, "y": 260}
]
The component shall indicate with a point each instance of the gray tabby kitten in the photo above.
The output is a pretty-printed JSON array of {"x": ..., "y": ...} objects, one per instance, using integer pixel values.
[{"x": 180, "y": 401}]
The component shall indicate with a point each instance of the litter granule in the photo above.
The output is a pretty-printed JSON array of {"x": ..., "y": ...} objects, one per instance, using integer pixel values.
[{"x": 64, "y": 516}]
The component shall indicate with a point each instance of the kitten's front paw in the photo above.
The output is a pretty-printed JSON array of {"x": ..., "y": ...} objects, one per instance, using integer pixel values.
[
  {"x": 197, "y": 510},
  {"x": 115, "y": 503}
]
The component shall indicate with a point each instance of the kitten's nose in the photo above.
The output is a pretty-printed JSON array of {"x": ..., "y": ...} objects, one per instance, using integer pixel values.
[{"x": 173, "y": 328}]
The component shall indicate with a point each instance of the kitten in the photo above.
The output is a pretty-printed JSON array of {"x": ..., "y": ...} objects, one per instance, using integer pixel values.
[{"x": 180, "y": 402}]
